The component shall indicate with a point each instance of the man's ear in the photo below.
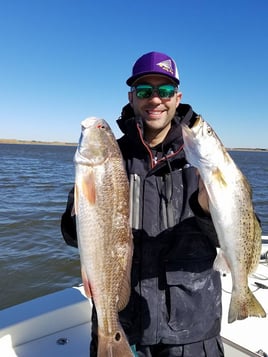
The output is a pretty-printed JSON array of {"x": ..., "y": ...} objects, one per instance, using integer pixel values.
[{"x": 178, "y": 99}]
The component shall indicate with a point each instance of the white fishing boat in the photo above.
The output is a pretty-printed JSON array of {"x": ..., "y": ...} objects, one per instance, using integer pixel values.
[
  {"x": 58, "y": 324},
  {"x": 247, "y": 337}
]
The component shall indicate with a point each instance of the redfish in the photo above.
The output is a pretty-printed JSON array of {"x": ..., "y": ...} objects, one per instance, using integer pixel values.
[{"x": 104, "y": 234}]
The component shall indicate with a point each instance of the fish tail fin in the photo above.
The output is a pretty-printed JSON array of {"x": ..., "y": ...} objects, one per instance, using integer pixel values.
[
  {"x": 114, "y": 346},
  {"x": 241, "y": 308}
]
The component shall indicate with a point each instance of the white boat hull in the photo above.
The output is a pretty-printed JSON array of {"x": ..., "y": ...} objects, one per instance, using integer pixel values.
[
  {"x": 54, "y": 325},
  {"x": 59, "y": 324}
]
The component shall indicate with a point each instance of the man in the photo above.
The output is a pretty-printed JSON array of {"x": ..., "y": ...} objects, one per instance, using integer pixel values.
[{"x": 175, "y": 303}]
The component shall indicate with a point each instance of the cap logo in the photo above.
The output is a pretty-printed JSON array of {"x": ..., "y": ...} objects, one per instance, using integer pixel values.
[{"x": 166, "y": 66}]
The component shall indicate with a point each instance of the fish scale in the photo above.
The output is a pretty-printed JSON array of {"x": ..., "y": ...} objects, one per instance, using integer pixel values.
[
  {"x": 231, "y": 209},
  {"x": 104, "y": 234}
]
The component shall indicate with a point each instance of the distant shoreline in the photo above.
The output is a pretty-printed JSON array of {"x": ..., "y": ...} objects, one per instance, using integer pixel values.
[
  {"x": 35, "y": 142},
  {"x": 59, "y": 143}
]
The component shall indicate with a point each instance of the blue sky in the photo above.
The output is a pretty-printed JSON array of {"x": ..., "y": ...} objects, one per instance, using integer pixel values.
[{"x": 64, "y": 60}]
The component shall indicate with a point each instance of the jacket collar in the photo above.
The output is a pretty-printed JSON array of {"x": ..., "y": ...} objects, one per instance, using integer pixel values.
[{"x": 132, "y": 126}]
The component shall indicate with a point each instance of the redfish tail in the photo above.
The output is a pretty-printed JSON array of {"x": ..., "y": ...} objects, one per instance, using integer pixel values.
[
  {"x": 243, "y": 307},
  {"x": 114, "y": 346}
]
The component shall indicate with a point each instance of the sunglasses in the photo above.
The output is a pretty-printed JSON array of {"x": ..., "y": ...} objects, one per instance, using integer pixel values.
[{"x": 164, "y": 91}]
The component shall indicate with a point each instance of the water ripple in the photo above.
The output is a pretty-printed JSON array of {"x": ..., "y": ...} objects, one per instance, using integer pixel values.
[{"x": 35, "y": 181}]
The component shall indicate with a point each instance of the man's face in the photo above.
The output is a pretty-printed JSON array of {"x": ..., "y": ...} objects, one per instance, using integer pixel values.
[{"x": 155, "y": 111}]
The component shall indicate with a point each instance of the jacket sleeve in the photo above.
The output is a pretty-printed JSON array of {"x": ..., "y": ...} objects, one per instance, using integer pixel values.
[
  {"x": 68, "y": 225},
  {"x": 204, "y": 221}
]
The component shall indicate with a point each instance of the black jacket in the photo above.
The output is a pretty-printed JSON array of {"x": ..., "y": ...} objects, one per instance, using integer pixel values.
[{"x": 176, "y": 294}]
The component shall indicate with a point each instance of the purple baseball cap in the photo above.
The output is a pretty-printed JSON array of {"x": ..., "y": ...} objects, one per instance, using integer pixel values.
[{"x": 154, "y": 63}]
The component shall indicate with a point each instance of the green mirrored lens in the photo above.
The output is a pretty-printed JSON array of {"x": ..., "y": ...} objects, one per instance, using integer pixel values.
[
  {"x": 166, "y": 91},
  {"x": 146, "y": 91}
]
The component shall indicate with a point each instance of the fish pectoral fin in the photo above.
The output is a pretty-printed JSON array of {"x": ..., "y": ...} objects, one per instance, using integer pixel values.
[
  {"x": 218, "y": 175},
  {"x": 86, "y": 283},
  {"x": 220, "y": 263},
  {"x": 89, "y": 187}
]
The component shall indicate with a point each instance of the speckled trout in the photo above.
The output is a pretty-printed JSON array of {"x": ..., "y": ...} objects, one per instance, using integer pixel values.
[
  {"x": 104, "y": 234},
  {"x": 231, "y": 209}
]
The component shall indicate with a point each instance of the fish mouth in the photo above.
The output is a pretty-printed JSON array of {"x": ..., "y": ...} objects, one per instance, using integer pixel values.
[
  {"x": 186, "y": 131},
  {"x": 192, "y": 132},
  {"x": 91, "y": 121},
  {"x": 198, "y": 121}
]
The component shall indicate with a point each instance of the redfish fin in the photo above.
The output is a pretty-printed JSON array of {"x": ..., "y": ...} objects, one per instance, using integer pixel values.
[
  {"x": 86, "y": 284},
  {"x": 114, "y": 346},
  {"x": 89, "y": 188},
  {"x": 243, "y": 307}
]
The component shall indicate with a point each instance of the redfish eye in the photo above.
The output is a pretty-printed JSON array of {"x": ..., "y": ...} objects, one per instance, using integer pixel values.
[{"x": 100, "y": 126}]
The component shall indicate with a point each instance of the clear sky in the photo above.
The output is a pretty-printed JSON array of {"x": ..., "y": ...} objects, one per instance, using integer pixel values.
[{"x": 64, "y": 60}]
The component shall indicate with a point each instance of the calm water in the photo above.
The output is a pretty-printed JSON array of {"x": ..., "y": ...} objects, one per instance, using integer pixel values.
[{"x": 34, "y": 184}]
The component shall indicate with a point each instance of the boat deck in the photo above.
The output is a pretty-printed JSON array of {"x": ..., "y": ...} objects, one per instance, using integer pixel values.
[
  {"x": 251, "y": 333},
  {"x": 54, "y": 325},
  {"x": 58, "y": 324}
]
